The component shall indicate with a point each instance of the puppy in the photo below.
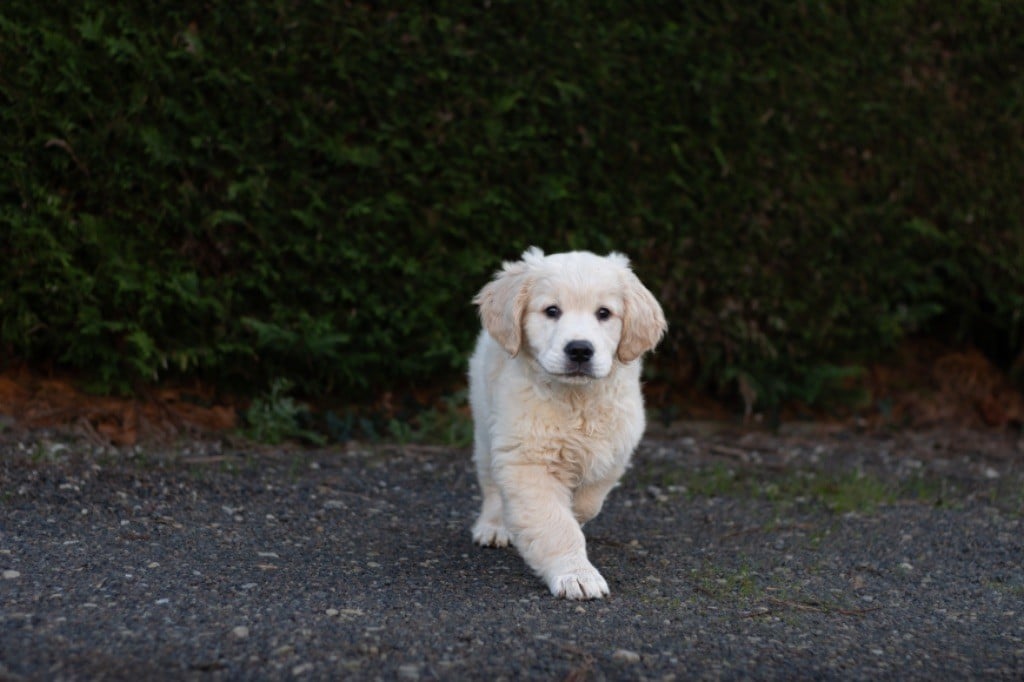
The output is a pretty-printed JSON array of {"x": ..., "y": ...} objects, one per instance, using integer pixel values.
[{"x": 555, "y": 393}]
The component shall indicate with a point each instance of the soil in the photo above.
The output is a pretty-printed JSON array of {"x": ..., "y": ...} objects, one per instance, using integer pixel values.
[{"x": 816, "y": 551}]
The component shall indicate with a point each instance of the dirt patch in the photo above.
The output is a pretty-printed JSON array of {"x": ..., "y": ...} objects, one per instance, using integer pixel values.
[
  {"x": 161, "y": 414},
  {"x": 923, "y": 386}
]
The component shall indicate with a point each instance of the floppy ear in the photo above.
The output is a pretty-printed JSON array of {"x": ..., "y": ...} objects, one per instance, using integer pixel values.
[
  {"x": 643, "y": 322},
  {"x": 502, "y": 305}
]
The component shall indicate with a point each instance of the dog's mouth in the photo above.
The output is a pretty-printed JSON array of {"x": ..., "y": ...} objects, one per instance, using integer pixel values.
[
  {"x": 578, "y": 371},
  {"x": 569, "y": 372}
]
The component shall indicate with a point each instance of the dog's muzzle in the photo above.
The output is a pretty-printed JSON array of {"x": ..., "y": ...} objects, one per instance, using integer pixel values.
[{"x": 577, "y": 356}]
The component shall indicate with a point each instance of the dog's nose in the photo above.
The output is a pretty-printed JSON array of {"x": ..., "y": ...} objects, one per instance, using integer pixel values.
[{"x": 579, "y": 351}]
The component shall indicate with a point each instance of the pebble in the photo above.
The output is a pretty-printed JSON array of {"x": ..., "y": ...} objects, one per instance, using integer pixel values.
[
  {"x": 11, "y": 574},
  {"x": 240, "y": 631},
  {"x": 626, "y": 656},
  {"x": 409, "y": 671},
  {"x": 332, "y": 612}
]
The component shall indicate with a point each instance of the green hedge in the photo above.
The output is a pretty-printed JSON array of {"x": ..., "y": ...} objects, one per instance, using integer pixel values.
[{"x": 250, "y": 190}]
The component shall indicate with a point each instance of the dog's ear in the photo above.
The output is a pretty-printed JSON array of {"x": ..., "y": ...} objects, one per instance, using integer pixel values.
[
  {"x": 503, "y": 302},
  {"x": 643, "y": 321}
]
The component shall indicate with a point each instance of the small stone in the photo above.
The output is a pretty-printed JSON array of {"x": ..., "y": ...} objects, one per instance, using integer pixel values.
[
  {"x": 11, "y": 574},
  {"x": 332, "y": 612},
  {"x": 626, "y": 656},
  {"x": 302, "y": 669},
  {"x": 409, "y": 671},
  {"x": 240, "y": 631}
]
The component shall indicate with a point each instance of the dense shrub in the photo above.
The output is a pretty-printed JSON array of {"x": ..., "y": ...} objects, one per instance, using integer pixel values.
[{"x": 243, "y": 191}]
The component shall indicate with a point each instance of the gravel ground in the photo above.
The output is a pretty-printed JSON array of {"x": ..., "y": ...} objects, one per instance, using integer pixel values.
[{"x": 812, "y": 553}]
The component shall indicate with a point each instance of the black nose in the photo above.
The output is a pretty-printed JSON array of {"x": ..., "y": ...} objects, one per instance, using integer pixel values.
[{"x": 579, "y": 351}]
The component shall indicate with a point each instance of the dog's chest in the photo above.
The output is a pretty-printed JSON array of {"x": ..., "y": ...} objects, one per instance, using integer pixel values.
[{"x": 586, "y": 440}]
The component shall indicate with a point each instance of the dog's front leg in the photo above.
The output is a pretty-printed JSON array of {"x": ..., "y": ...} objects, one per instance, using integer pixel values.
[
  {"x": 539, "y": 515},
  {"x": 588, "y": 499}
]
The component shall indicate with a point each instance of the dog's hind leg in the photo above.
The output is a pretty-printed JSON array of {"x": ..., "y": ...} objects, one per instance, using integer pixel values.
[{"x": 489, "y": 529}]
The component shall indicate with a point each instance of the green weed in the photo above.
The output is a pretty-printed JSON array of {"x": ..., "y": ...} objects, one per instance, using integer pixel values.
[
  {"x": 842, "y": 492},
  {"x": 851, "y": 492},
  {"x": 446, "y": 424},
  {"x": 721, "y": 584},
  {"x": 276, "y": 417}
]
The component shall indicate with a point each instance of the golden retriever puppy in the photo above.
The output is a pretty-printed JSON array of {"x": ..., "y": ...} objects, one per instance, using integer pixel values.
[{"x": 557, "y": 409}]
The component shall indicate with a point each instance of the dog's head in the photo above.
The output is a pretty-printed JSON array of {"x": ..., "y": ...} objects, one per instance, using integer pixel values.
[{"x": 575, "y": 313}]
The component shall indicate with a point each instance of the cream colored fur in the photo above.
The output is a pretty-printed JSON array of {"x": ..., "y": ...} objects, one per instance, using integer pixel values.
[{"x": 554, "y": 435}]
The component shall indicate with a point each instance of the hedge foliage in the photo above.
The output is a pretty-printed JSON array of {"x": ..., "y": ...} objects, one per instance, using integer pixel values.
[{"x": 262, "y": 189}]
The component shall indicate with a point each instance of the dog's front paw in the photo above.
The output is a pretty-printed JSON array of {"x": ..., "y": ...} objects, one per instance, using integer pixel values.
[
  {"x": 490, "y": 535},
  {"x": 583, "y": 583}
]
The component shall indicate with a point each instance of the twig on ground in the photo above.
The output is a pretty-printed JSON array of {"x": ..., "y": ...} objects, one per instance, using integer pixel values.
[{"x": 820, "y": 608}]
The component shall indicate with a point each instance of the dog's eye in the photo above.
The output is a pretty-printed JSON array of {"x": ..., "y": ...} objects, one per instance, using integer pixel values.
[
  {"x": 603, "y": 313},
  {"x": 553, "y": 311}
]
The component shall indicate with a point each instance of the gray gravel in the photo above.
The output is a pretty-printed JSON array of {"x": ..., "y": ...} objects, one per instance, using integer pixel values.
[{"x": 729, "y": 555}]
